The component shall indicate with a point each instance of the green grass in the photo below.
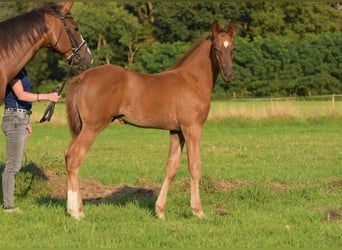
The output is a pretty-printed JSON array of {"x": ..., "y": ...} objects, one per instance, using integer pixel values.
[{"x": 269, "y": 182}]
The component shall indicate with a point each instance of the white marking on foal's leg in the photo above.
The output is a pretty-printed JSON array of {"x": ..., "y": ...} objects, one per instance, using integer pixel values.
[{"x": 72, "y": 204}]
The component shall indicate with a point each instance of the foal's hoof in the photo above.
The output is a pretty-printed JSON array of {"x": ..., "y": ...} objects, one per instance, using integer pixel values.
[
  {"x": 77, "y": 216},
  {"x": 160, "y": 214},
  {"x": 199, "y": 214}
]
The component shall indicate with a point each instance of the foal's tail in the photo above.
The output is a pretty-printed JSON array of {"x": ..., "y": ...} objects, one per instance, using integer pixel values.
[{"x": 74, "y": 119}]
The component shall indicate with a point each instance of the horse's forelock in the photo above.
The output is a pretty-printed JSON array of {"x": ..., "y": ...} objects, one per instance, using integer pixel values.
[{"x": 50, "y": 9}]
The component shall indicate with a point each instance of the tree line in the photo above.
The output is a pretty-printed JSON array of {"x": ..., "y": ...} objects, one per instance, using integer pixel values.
[{"x": 282, "y": 49}]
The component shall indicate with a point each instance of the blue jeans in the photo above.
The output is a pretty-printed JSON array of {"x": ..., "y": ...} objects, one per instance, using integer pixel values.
[{"x": 14, "y": 126}]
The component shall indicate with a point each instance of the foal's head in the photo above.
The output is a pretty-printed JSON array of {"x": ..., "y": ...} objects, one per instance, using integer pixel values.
[
  {"x": 223, "y": 48},
  {"x": 66, "y": 38}
]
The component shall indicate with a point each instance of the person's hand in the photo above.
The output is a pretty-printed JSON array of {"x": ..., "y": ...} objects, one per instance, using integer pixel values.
[
  {"x": 54, "y": 97},
  {"x": 29, "y": 130}
]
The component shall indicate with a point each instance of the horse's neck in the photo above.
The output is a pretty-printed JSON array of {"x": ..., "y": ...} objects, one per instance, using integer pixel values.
[
  {"x": 14, "y": 59},
  {"x": 200, "y": 65}
]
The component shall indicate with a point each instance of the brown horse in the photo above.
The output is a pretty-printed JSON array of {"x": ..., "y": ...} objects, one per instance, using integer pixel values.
[
  {"x": 177, "y": 100},
  {"x": 50, "y": 27}
]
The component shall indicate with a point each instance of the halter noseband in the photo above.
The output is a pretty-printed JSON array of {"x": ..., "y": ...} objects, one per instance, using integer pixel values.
[{"x": 75, "y": 57}]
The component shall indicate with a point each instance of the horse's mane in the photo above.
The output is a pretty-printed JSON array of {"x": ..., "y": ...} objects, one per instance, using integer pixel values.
[
  {"x": 187, "y": 54},
  {"x": 16, "y": 28}
]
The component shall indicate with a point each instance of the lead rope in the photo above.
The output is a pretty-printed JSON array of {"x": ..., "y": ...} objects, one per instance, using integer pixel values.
[{"x": 51, "y": 107}]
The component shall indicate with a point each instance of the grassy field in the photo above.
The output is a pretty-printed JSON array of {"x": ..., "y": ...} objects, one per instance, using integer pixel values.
[{"x": 272, "y": 177}]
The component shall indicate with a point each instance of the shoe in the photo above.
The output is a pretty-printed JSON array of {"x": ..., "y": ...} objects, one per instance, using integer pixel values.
[{"x": 14, "y": 210}]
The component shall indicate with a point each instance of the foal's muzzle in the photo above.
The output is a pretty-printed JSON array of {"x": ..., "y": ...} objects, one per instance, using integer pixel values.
[{"x": 228, "y": 75}]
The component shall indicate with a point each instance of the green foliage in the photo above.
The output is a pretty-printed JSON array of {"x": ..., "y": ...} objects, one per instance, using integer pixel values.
[
  {"x": 292, "y": 20},
  {"x": 114, "y": 34},
  {"x": 283, "y": 49},
  {"x": 188, "y": 21},
  {"x": 283, "y": 67},
  {"x": 99, "y": 23},
  {"x": 160, "y": 56}
]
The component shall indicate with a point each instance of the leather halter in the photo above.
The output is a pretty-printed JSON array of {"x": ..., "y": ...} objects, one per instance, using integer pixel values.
[{"x": 75, "y": 57}]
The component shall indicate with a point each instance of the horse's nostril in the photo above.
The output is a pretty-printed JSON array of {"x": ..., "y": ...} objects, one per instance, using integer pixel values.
[{"x": 228, "y": 75}]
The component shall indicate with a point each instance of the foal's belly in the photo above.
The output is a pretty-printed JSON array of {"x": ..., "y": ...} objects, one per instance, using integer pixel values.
[{"x": 149, "y": 121}]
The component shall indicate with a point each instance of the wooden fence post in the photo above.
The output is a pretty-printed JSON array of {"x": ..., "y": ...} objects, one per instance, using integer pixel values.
[{"x": 333, "y": 103}]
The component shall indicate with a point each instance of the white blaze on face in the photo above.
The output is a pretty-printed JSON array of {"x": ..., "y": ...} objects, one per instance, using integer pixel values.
[{"x": 226, "y": 44}]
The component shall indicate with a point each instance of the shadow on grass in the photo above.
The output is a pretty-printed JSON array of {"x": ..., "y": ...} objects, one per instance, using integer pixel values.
[
  {"x": 25, "y": 179},
  {"x": 145, "y": 198},
  {"x": 123, "y": 195},
  {"x": 48, "y": 188}
]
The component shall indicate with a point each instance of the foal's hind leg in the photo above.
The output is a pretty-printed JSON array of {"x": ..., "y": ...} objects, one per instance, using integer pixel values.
[
  {"x": 175, "y": 151},
  {"x": 74, "y": 156}
]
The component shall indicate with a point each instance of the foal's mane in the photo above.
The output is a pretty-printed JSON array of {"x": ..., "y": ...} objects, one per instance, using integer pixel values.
[
  {"x": 14, "y": 29},
  {"x": 187, "y": 54}
]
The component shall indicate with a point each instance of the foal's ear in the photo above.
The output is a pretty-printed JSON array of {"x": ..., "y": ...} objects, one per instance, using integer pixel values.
[
  {"x": 66, "y": 7},
  {"x": 215, "y": 28},
  {"x": 231, "y": 28}
]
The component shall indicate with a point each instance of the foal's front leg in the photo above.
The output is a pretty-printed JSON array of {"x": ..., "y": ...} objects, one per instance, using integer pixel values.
[
  {"x": 193, "y": 140},
  {"x": 175, "y": 151}
]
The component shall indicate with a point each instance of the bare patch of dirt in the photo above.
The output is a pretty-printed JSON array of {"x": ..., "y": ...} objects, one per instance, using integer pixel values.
[
  {"x": 318, "y": 208},
  {"x": 333, "y": 184},
  {"x": 231, "y": 184},
  {"x": 220, "y": 210},
  {"x": 235, "y": 184},
  {"x": 280, "y": 188},
  {"x": 331, "y": 214},
  {"x": 334, "y": 214},
  {"x": 95, "y": 192}
]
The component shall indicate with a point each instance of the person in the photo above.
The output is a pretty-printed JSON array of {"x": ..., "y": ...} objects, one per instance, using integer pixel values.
[{"x": 16, "y": 127}]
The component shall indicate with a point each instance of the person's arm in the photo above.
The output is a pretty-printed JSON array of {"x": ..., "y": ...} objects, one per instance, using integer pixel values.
[{"x": 23, "y": 95}]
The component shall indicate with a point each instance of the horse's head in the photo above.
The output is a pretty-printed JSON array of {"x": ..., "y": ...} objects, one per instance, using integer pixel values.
[
  {"x": 222, "y": 49},
  {"x": 66, "y": 38}
]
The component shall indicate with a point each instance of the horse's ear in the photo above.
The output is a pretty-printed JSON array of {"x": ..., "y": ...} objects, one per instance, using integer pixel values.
[
  {"x": 231, "y": 28},
  {"x": 66, "y": 7},
  {"x": 215, "y": 28}
]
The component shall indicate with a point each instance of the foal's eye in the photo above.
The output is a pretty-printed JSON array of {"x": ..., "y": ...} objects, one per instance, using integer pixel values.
[{"x": 76, "y": 29}]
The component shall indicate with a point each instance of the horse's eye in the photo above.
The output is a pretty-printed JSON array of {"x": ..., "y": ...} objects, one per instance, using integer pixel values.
[{"x": 76, "y": 29}]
